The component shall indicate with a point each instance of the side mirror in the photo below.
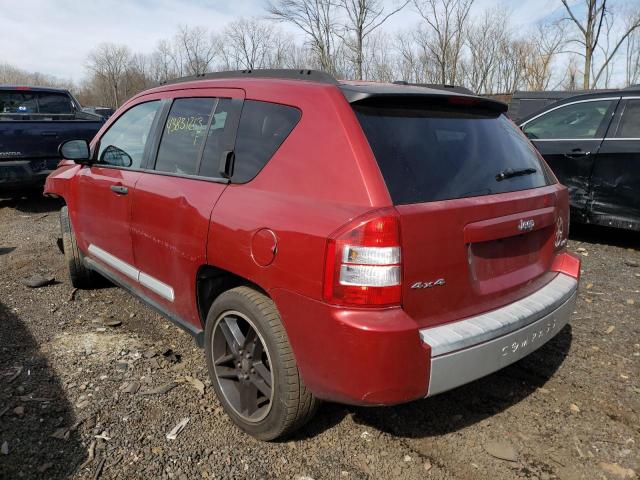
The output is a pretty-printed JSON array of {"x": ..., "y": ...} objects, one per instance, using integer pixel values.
[{"x": 76, "y": 150}]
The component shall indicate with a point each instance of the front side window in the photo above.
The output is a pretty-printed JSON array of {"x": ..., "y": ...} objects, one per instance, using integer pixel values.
[
  {"x": 630, "y": 122},
  {"x": 582, "y": 120},
  {"x": 183, "y": 135},
  {"x": 263, "y": 128},
  {"x": 124, "y": 143}
]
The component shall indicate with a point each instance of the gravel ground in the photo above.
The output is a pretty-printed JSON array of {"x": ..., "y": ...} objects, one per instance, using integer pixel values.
[{"x": 92, "y": 381}]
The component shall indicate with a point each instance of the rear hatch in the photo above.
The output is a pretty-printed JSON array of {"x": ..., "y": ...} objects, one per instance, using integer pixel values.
[{"x": 477, "y": 204}]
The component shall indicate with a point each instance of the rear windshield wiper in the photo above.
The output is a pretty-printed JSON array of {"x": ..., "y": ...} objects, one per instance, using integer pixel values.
[{"x": 510, "y": 173}]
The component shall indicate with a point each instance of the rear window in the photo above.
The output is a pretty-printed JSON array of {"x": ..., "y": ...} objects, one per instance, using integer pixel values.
[
  {"x": 25, "y": 102},
  {"x": 441, "y": 153},
  {"x": 263, "y": 127}
]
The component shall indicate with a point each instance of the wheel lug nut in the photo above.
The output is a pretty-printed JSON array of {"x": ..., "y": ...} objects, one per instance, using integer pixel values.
[
  {"x": 253, "y": 370},
  {"x": 240, "y": 351}
]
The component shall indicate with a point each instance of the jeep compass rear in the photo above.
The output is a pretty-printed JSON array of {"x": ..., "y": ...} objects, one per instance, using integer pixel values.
[{"x": 363, "y": 243}]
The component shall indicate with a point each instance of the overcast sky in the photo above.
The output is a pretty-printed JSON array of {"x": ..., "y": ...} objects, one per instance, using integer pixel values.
[{"x": 55, "y": 36}]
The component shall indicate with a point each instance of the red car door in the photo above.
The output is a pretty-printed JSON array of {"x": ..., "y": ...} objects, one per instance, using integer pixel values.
[
  {"x": 172, "y": 203},
  {"x": 103, "y": 190}
]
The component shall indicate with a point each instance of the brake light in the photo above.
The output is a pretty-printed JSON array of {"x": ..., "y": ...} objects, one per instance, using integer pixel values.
[{"x": 364, "y": 263}]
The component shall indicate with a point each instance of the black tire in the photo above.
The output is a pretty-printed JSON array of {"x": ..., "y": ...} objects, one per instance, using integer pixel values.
[
  {"x": 291, "y": 404},
  {"x": 79, "y": 275}
]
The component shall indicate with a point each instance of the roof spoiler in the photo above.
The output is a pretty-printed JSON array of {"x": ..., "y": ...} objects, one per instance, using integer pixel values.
[{"x": 395, "y": 97}]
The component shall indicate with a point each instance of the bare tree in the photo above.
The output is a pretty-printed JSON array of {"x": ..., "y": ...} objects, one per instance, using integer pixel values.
[
  {"x": 247, "y": 44},
  {"x": 362, "y": 18},
  {"x": 632, "y": 56},
  {"x": 198, "y": 49},
  {"x": 571, "y": 78},
  {"x": 16, "y": 76},
  {"x": 589, "y": 32},
  {"x": 483, "y": 41},
  {"x": 447, "y": 22},
  {"x": 544, "y": 46},
  {"x": 109, "y": 62},
  {"x": 317, "y": 19}
]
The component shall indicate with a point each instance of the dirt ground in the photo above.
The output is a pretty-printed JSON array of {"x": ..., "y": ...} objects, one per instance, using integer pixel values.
[{"x": 571, "y": 410}]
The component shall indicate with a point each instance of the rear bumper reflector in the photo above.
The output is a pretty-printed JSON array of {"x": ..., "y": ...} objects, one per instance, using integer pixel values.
[{"x": 470, "y": 349}]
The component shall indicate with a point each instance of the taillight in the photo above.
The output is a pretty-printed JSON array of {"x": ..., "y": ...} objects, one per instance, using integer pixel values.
[{"x": 363, "y": 264}]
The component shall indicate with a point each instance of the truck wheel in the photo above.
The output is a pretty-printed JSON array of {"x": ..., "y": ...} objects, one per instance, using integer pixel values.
[
  {"x": 80, "y": 276},
  {"x": 252, "y": 367}
]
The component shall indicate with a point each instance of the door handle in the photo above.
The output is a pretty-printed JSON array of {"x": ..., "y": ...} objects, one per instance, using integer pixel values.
[
  {"x": 49, "y": 134},
  {"x": 119, "y": 189},
  {"x": 576, "y": 155}
]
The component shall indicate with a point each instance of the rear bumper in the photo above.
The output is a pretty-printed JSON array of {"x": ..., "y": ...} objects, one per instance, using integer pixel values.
[
  {"x": 470, "y": 349},
  {"x": 17, "y": 174},
  {"x": 383, "y": 357}
]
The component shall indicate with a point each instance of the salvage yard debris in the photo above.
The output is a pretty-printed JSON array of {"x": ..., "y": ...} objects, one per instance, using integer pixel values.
[
  {"x": 37, "y": 280},
  {"x": 175, "y": 431}
]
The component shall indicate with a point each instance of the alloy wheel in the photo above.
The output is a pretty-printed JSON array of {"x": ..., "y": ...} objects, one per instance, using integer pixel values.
[{"x": 242, "y": 366}]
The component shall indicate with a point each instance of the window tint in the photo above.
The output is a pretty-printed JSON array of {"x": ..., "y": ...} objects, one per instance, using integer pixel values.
[
  {"x": 221, "y": 136},
  {"x": 630, "y": 122},
  {"x": 17, "y": 102},
  {"x": 580, "y": 120},
  {"x": 55, "y": 103},
  {"x": 123, "y": 144},
  {"x": 441, "y": 153},
  {"x": 263, "y": 127},
  {"x": 183, "y": 135},
  {"x": 27, "y": 102}
]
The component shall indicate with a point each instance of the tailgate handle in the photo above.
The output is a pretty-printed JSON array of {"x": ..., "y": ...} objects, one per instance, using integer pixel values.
[
  {"x": 49, "y": 134},
  {"x": 509, "y": 226},
  {"x": 119, "y": 189}
]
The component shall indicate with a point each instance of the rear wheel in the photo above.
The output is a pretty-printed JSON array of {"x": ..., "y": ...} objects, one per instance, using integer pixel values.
[
  {"x": 252, "y": 367},
  {"x": 79, "y": 275}
]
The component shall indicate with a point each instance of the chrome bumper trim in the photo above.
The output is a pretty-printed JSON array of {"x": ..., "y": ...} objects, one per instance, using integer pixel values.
[{"x": 455, "y": 336}]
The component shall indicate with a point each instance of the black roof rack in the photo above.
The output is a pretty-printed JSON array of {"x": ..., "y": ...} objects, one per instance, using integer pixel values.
[{"x": 289, "y": 74}]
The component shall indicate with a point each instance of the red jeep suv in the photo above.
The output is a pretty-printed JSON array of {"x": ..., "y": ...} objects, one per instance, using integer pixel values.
[{"x": 355, "y": 242}]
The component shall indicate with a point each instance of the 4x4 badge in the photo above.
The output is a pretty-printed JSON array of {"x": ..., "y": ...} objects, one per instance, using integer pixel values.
[{"x": 436, "y": 283}]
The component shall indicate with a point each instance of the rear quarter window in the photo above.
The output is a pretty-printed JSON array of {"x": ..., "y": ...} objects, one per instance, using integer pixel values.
[
  {"x": 263, "y": 128},
  {"x": 441, "y": 153}
]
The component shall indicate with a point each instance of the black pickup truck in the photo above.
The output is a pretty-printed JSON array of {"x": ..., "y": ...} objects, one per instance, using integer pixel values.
[{"x": 33, "y": 122}]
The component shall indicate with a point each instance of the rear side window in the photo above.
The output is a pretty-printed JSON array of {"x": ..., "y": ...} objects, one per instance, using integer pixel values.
[
  {"x": 221, "y": 136},
  {"x": 183, "y": 135},
  {"x": 263, "y": 127},
  {"x": 582, "y": 120},
  {"x": 441, "y": 153},
  {"x": 630, "y": 122}
]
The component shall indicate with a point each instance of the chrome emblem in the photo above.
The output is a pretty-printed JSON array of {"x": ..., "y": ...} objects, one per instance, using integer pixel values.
[
  {"x": 526, "y": 225},
  {"x": 436, "y": 283}
]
